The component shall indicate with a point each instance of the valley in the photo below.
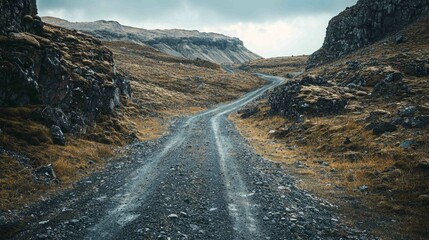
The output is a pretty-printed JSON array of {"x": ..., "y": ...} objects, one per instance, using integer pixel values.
[{"x": 115, "y": 132}]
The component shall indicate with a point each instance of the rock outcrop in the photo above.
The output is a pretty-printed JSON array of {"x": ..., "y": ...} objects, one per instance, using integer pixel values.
[
  {"x": 307, "y": 97},
  {"x": 71, "y": 74},
  {"x": 366, "y": 22},
  {"x": 212, "y": 47}
]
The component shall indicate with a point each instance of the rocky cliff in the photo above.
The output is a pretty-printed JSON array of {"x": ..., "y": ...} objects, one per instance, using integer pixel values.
[
  {"x": 365, "y": 23},
  {"x": 212, "y": 47},
  {"x": 70, "y": 74}
]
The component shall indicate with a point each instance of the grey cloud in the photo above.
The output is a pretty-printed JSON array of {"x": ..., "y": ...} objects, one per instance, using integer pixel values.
[{"x": 212, "y": 10}]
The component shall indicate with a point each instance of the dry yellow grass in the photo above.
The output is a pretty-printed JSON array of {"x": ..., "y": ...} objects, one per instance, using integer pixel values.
[
  {"x": 167, "y": 84},
  {"x": 72, "y": 162},
  {"x": 279, "y": 66},
  {"x": 389, "y": 192}
]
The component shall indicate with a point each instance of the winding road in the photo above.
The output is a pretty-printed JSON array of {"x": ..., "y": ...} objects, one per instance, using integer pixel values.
[{"x": 201, "y": 181}]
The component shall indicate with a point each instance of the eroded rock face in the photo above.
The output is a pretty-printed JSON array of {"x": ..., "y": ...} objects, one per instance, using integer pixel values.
[
  {"x": 72, "y": 74},
  {"x": 365, "y": 23},
  {"x": 193, "y": 45}
]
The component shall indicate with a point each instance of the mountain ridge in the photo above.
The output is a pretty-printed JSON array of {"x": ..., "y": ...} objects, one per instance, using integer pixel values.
[{"x": 191, "y": 44}]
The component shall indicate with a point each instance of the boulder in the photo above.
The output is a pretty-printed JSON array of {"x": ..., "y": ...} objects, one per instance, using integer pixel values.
[
  {"x": 401, "y": 39},
  {"x": 383, "y": 127},
  {"x": 45, "y": 174},
  {"x": 58, "y": 136}
]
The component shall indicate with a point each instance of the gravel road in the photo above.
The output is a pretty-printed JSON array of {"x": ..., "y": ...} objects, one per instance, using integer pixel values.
[{"x": 201, "y": 181}]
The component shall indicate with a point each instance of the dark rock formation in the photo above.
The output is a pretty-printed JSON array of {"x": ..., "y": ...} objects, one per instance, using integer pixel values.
[
  {"x": 71, "y": 74},
  {"x": 392, "y": 85},
  {"x": 19, "y": 16},
  {"x": 365, "y": 23},
  {"x": 383, "y": 127},
  {"x": 211, "y": 47},
  {"x": 306, "y": 97}
]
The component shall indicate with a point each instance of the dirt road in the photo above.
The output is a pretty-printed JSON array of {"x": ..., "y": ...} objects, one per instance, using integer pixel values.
[{"x": 201, "y": 181}]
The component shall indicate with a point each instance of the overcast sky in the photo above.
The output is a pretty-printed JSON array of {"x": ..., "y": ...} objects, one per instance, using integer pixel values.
[{"x": 269, "y": 28}]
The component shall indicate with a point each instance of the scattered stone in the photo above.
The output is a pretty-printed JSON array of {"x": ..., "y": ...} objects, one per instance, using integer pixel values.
[
  {"x": 173, "y": 216},
  {"x": 347, "y": 141},
  {"x": 353, "y": 65},
  {"x": 194, "y": 227},
  {"x": 42, "y": 236},
  {"x": 363, "y": 188},
  {"x": 416, "y": 122},
  {"x": 324, "y": 164},
  {"x": 58, "y": 136},
  {"x": 401, "y": 39},
  {"x": 407, "y": 112},
  {"x": 383, "y": 127},
  {"x": 299, "y": 164},
  {"x": 407, "y": 144},
  {"x": 74, "y": 221},
  {"x": 43, "y": 222},
  {"x": 45, "y": 174},
  {"x": 183, "y": 214}
]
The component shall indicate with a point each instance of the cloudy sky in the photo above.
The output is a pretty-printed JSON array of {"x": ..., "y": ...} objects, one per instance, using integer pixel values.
[{"x": 269, "y": 28}]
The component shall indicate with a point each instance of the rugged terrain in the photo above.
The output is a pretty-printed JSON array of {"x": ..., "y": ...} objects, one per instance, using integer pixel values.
[
  {"x": 356, "y": 129},
  {"x": 202, "y": 181},
  {"x": 212, "y": 47},
  {"x": 365, "y": 23},
  {"x": 67, "y": 104}
]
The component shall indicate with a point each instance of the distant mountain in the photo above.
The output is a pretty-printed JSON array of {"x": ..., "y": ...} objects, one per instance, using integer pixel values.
[{"x": 212, "y": 47}]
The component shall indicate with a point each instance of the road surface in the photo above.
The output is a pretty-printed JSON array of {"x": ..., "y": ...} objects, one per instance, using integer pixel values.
[{"x": 201, "y": 181}]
